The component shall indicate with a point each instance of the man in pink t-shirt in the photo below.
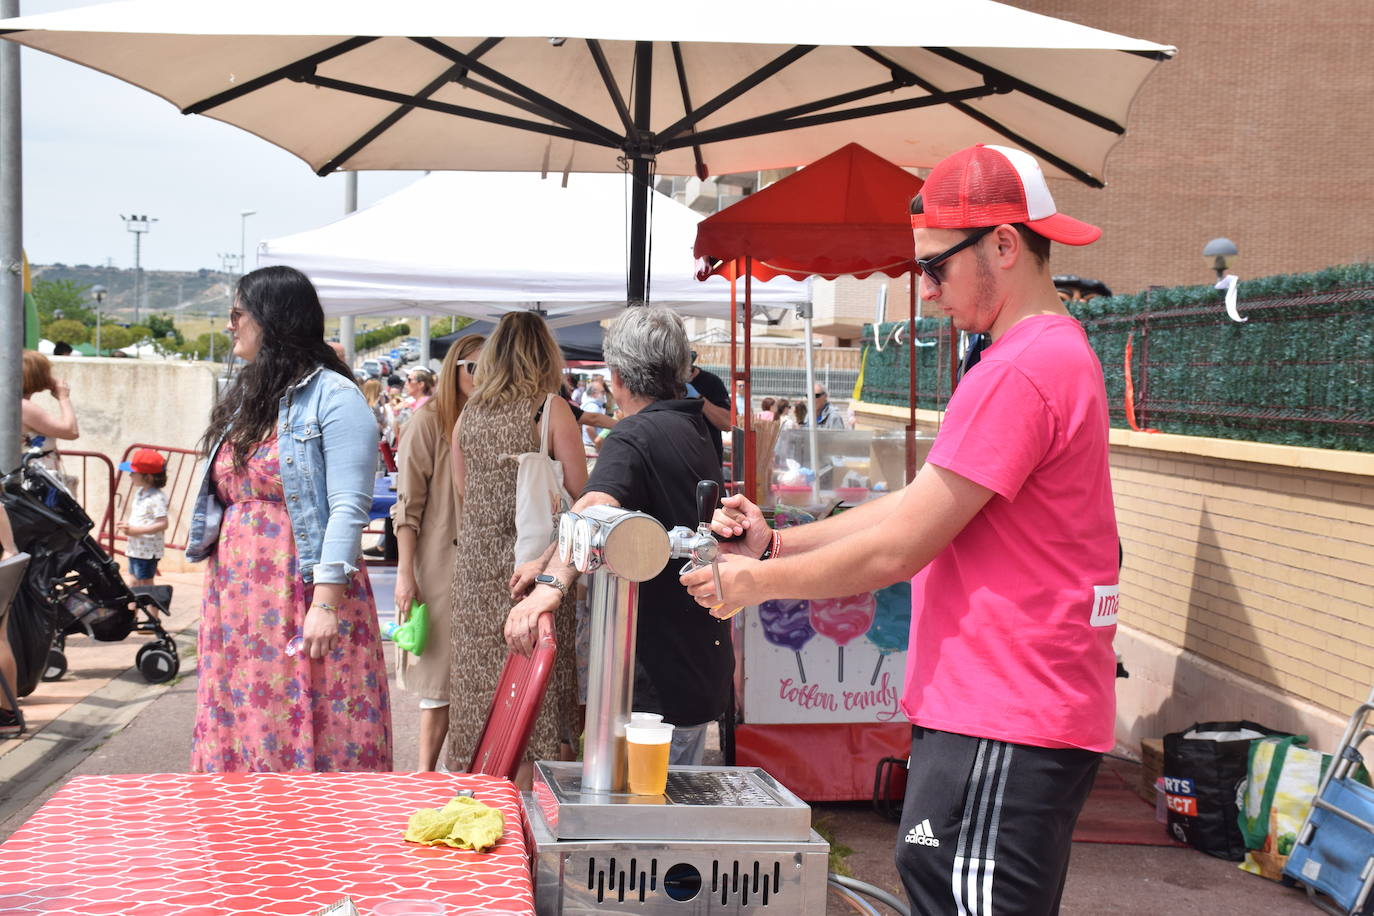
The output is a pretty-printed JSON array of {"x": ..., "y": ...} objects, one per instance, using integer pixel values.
[{"x": 1008, "y": 534}]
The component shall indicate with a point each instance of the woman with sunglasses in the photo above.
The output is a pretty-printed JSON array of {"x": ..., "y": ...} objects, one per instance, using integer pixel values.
[
  {"x": 426, "y": 523},
  {"x": 515, "y": 409},
  {"x": 292, "y": 675}
]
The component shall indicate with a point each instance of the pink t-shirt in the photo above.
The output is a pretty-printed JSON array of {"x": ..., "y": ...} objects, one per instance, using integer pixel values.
[{"x": 1012, "y": 624}]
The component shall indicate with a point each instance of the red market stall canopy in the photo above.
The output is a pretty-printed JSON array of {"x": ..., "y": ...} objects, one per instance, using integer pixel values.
[{"x": 845, "y": 213}]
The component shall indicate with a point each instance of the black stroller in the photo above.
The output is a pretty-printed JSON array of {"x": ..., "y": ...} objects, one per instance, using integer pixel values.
[{"x": 72, "y": 586}]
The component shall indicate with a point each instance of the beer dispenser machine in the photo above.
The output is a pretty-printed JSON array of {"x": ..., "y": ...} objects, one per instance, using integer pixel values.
[{"x": 720, "y": 839}]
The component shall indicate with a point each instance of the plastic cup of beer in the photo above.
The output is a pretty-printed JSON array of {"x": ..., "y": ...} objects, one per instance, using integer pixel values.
[
  {"x": 645, "y": 718},
  {"x": 647, "y": 748}
]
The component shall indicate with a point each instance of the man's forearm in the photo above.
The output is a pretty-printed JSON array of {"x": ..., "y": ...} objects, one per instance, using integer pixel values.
[
  {"x": 916, "y": 524},
  {"x": 717, "y": 416}
]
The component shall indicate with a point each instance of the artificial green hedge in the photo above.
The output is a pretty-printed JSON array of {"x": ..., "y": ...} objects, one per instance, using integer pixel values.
[
  {"x": 1299, "y": 371},
  {"x": 375, "y": 338}
]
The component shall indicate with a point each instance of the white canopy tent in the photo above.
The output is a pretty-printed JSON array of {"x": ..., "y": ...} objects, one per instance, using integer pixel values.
[{"x": 483, "y": 243}]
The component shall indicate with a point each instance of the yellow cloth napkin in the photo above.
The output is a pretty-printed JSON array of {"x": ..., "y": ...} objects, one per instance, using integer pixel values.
[{"x": 464, "y": 823}]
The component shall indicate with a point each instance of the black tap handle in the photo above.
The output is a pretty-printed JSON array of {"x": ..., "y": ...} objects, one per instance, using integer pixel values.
[{"x": 708, "y": 496}]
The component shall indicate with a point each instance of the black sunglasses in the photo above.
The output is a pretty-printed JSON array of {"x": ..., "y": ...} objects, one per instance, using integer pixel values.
[{"x": 928, "y": 265}]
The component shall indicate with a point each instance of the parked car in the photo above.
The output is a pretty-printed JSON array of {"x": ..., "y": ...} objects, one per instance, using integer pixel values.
[
  {"x": 386, "y": 367},
  {"x": 398, "y": 356},
  {"x": 413, "y": 351},
  {"x": 372, "y": 368}
]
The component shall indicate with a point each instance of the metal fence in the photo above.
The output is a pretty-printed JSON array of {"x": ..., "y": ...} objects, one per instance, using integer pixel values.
[{"x": 790, "y": 382}]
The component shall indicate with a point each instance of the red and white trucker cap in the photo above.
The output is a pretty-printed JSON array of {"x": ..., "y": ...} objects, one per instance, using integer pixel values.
[{"x": 991, "y": 185}]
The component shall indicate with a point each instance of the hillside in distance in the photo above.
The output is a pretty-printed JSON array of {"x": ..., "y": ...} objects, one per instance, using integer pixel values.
[{"x": 175, "y": 292}]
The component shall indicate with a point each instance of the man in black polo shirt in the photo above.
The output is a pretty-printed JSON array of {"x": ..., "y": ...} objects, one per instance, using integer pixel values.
[{"x": 651, "y": 462}]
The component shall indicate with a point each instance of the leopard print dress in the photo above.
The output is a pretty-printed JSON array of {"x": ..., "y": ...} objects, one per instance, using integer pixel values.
[{"x": 481, "y": 589}]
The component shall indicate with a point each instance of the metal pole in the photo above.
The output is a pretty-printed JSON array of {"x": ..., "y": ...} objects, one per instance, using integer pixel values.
[
  {"x": 637, "y": 291},
  {"x": 346, "y": 322},
  {"x": 811, "y": 407},
  {"x": 138, "y": 273},
  {"x": 424, "y": 341},
  {"x": 11, "y": 248},
  {"x": 610, "y": 681},
  {"x": 752, "y": 485},
  {"x": 243, "y": 240}
]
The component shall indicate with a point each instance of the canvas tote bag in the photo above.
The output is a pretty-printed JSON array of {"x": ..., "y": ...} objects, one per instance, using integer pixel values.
[{"x": 539, "y": 495}]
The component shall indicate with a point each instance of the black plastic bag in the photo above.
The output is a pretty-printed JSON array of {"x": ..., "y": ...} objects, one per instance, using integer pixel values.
[{"x": 1201, "y": 778}]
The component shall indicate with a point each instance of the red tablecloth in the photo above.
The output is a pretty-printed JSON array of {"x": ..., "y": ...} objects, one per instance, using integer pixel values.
[{"x": 277, "y": 845}]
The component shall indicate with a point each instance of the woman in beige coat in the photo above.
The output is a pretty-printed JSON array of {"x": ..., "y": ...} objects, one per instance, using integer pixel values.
[{"x": 426, "y": 521}]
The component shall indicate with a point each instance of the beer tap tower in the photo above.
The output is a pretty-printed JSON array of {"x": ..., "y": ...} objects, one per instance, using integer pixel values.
[{"x": 726, "y": 839}]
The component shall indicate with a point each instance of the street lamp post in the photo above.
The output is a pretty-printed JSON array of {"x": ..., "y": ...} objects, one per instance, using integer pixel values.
[
  {"x": 137, "y": 225},
  {"x": 99, "y": 292}
]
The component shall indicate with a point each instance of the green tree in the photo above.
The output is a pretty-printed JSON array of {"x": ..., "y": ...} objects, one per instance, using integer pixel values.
[
  {"x": 161, "y": 326},
  {"x": 73, "y": 332},
  {"x": 139, "y": 333},
  {"x": 65, "y": 296}
]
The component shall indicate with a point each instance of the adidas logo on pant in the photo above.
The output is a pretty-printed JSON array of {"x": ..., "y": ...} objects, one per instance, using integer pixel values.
[{"x": 922, "y": 835}]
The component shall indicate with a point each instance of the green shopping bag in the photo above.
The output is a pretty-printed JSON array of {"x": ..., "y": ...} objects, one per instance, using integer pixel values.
[{"x": 1281, "y": 781}]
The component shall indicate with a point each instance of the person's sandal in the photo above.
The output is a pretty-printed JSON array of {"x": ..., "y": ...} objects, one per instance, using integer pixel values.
[{"x": 9, "y": 720}]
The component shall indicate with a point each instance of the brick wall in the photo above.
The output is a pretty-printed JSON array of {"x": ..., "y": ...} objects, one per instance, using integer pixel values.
[
  {"x": 1252, "y": 131},
  {"x": 1259, "y": 568}
]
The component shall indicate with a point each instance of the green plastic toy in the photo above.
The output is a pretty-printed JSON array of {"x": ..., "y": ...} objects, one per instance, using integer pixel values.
[{"x": 412, "y": 634}]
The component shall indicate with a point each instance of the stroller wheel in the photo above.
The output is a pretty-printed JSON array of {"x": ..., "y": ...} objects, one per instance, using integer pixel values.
[
  {"x": 158, "y": 662},
  {"x": 56, "y": 665}
]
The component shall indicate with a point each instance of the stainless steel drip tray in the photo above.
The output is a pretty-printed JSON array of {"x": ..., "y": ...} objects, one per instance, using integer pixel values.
[{"x": 701, "y": 803}]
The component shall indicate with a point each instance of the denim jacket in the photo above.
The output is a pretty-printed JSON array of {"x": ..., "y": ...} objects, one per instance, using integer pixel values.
[{"x": 327, "y": 444}]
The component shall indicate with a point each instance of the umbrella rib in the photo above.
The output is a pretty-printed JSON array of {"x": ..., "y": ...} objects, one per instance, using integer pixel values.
[
  {"x": 681, "y": 66},
  {"x": 777, "y": 64},
  {"x": 305, "y": 64},
  {"x": 476, "y": 114},
  {"x": 768, "y": 124},
  {"x": 386, "y": 123},
  {"x": 544, "y": 105},
  {"x": 617, "y": 97},
  {"x": 1030, "y": 146},
  {"x": 1001, "y": 78}
]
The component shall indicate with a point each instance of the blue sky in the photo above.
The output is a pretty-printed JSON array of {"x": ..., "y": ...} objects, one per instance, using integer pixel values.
[{"x": 95, "y": 147}]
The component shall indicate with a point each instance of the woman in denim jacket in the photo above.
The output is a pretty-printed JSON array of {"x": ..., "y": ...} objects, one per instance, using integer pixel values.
[{"x": 292, "y": 675}]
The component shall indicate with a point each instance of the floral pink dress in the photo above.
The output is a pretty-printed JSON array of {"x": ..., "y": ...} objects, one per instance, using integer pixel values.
[{"x": 257, "y": 708}]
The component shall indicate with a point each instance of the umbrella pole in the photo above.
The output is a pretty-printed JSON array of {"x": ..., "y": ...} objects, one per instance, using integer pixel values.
[
  {"x": 640, "y": 162},
  {"x": 911, "y": 381},
  {"x": 751, "y": 481}
]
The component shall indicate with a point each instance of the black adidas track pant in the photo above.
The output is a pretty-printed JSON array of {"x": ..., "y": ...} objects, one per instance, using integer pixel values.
[{"x": 987, "y": 826}]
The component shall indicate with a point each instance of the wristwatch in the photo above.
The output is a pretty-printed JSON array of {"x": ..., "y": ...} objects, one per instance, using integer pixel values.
[{"x": 546, "y": 579}]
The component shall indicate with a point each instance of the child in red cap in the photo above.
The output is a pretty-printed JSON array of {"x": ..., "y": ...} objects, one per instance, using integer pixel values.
[{"x": 147, "y": 514}]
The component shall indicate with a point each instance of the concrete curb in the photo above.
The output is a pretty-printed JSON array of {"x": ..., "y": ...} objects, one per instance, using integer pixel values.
[{"x": 47, "y": 756}]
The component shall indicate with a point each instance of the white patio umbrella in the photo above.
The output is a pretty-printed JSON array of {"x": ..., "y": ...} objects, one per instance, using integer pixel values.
[{"x": 539, "y": 85}]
